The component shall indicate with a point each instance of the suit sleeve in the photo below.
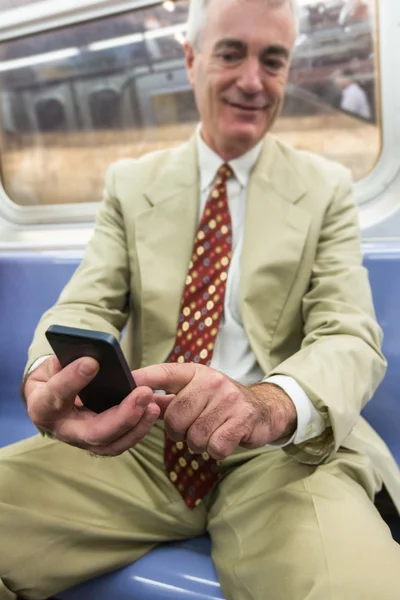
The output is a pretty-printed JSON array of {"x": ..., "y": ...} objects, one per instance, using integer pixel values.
[
  {"x": 97, "y": 296},
  {"x": 339, "y": 364}
]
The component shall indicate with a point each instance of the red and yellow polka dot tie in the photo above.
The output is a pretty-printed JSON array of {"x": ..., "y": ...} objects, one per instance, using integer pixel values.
[{"x": 202, "y": 307}]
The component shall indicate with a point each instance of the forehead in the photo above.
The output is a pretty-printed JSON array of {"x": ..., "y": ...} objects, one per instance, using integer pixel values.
[{"x": 253, "y": 22}]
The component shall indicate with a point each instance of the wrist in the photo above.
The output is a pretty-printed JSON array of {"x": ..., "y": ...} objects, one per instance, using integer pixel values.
[{"x": 282, "y": 413}]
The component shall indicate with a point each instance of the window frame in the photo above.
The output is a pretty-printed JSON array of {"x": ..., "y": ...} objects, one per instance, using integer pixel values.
[
  {"x": 51, "y": 14},
  {"x": 378, "y": 193}
]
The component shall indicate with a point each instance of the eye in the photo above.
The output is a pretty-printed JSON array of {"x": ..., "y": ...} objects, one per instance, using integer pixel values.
[
  {"x": 274, "y": 64},
  {"x": 229, "y": 57}
]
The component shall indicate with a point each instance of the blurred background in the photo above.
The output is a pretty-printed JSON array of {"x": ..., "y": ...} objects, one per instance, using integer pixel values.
[{"x": 75, "y": 99}]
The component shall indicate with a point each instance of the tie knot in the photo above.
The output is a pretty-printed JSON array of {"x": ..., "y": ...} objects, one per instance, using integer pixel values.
[{"x": 224, "y": 172}]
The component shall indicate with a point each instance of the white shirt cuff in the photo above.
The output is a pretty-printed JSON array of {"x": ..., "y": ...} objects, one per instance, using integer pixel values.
[
  {"x": 310, "y": 423},
  {"x": 37, "y": 363}
]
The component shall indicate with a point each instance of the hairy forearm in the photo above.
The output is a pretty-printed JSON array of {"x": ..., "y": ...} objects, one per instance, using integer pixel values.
[{"x": 279, "y": 409}]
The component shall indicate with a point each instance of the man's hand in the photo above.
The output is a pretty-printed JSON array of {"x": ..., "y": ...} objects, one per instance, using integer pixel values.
[
  {"x": 53, "y": 406},
  {"x": 213, "y": 413}
]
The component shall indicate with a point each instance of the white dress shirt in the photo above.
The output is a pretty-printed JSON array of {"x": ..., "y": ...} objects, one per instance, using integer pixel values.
[{"x": 232, "y": 353}]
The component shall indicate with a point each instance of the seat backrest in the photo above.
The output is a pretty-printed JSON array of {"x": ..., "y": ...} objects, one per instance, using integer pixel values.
[
  {"x": 31, "y": 283},
  {"x": 383, "y": 412}
]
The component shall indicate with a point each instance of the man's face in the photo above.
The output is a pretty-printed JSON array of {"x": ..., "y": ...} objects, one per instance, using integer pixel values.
[{"x": 239, "y": 70}]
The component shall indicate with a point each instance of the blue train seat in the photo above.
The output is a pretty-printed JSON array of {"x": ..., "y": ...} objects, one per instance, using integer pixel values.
[
  {"x": 383, "y": 412},
  {"x": 28, "y": 286},
  {"x": 31, "y": 283},
  {"x": 177, "y": 570}
]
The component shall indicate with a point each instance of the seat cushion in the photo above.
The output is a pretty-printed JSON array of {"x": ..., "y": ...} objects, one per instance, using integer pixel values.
[{"x": 181, "y": 570}]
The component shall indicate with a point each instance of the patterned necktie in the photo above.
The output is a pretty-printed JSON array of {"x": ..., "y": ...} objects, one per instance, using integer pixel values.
[{"x": 199, "y": 320}]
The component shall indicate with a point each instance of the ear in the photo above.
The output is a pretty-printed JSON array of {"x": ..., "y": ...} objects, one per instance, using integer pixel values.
[{"x": 189, "y": 61}]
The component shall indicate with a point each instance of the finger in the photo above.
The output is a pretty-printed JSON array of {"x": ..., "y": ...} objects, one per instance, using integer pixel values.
[
  {"x": 210, "y": 419},
  {"x": 170, "y": 377},
  {"x": 183, "y": 410},
  {"x": 163, "y": 401},
  {"x": 226, "y": 438},
  {"x": 46, "y": 401},
  {"x": 90, "y": 429},
  {"x": 132, "y": 437},
  {"x": 199, "y": 409}
]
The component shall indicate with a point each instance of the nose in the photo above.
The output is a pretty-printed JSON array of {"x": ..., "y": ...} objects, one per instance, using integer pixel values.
[{"x": 250, "y": 77}]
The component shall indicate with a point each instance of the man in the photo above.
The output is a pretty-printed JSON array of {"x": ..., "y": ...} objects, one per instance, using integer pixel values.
[
  {"x": 353, "y": 98},
  {"x": 278, "y": 467}
]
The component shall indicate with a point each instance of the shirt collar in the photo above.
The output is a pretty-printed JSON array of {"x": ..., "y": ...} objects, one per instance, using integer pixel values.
[{"x": 210, "y": 162}]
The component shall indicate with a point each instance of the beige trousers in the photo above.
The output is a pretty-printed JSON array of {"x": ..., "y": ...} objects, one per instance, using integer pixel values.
[{"x": 280, "y": 530}]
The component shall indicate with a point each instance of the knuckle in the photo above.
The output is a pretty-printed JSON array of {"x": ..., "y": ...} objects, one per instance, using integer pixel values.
[
  {"x": 232, "y": 432},
  {"x": 199, "y": 432},
  {"x": 218, "y": 449},
  {"x": 233, "y": 396},
  {"x": 175, "y": 422},
  {"x": 187, "y": 410},
  {"x": 219, "y": 376},
  {"x": 143, "y": 392},
  {"x": 222, "y": 445},
  {"x": 219, "y": 379},
  {"x": 196, "y": 442}
]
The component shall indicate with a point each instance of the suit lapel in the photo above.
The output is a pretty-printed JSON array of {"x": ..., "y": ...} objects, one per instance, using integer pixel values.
[
  {"x": 274, "y": 237},
  {"x": 164, "y": 242},
  {"x": 275, "y": 234}
]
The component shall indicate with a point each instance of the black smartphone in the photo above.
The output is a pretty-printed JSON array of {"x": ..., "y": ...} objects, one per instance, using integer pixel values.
[{"x": 113, "y": 382}]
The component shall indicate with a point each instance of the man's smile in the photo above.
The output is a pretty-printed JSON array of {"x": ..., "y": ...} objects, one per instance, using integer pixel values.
[{"x": 249, "y": 108}]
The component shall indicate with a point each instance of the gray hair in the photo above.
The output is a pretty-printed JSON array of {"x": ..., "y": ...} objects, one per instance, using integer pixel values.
[{"x": 198, "y": 9}]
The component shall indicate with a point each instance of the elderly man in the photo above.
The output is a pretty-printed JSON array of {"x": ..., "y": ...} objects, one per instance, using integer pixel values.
[{"x": 236, "y": 262}]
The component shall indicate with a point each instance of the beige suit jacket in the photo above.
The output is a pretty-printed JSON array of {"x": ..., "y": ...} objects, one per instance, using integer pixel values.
[{"x": 305, "y": 297}]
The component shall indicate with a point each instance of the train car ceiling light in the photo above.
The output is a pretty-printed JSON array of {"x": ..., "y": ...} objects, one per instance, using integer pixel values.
[
  {"x": 169, "y": 5},
  {"x": 36, "y": 59},
  {"x": 125, "y": 40}
]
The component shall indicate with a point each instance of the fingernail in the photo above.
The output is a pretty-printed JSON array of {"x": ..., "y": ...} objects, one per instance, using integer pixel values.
[{"x": 88, "y": 367}]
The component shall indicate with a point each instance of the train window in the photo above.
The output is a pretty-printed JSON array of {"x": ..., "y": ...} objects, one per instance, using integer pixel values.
[
  {"x": 331, "y": 103},
  {"x": 76, "y": 99}
]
